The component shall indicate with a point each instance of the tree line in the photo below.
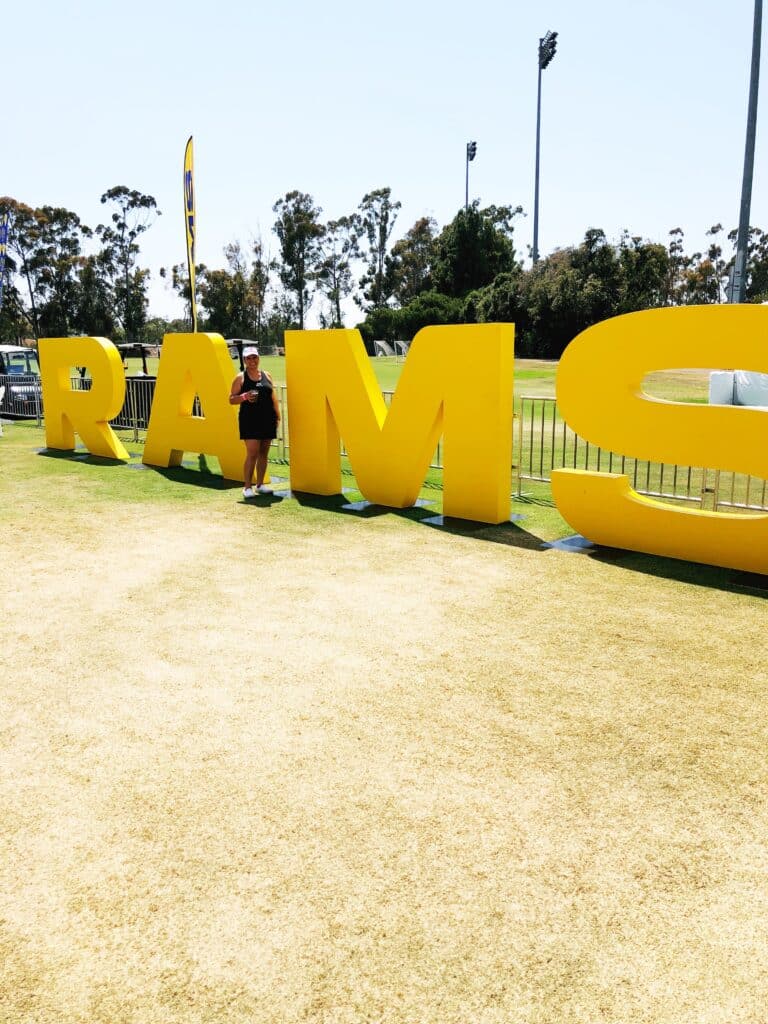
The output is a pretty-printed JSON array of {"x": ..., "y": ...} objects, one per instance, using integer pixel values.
[
  {"x": 468, "y": 271},
  {"x": 53, "y": 288}
]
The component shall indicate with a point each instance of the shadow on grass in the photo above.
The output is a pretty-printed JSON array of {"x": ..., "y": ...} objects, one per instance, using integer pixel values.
[
  {"x": 693, "y": 573},
  {"x": 195, "y": 477},
  {"x": 344, "y": 505},
  {"x": 83, "y": 457},
  {"x": 508, "y": 534},
  {"x": 201, "y": 476}
]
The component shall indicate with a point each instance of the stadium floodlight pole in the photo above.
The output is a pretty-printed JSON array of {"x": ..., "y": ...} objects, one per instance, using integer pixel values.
[
  {"x": 738, "y": 285},
  {"x": 547, "y": 47},
  {"x": 471, "y": 151}
]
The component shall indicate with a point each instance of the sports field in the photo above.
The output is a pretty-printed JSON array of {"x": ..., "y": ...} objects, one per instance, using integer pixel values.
[
  {"x": 283, "y": 762},
  {"x": 533, "y": 377}
]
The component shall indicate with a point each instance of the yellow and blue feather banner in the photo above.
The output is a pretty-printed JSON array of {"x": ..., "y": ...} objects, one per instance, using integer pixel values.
[{"x": 191, "y": 227}]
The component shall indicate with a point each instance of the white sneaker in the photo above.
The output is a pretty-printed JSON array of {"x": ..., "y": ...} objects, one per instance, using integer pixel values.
[
  {"x": 248, "y": 492},
  {"x": 264, "y": 489}
]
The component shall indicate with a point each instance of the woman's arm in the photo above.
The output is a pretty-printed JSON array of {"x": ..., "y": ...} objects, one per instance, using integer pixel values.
[{"x": 236, "y": 397}]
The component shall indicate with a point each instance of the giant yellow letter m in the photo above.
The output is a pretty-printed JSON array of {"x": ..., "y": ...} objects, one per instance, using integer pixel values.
[{"x": 456, "y": 382}]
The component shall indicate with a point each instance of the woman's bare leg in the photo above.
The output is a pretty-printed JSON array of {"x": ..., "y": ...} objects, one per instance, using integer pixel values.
[
  {"x": 251, "y": 458},
  {"x": 261, "y": 461}
]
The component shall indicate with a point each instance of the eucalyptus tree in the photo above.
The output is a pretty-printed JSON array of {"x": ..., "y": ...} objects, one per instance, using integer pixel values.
[
  {"x": 232, "y": 297},
  {"x": 677, "y": 265},
  {"x": 299, "y": 231},
  {"x": 60, "y": 240},
  {"x": 717, "y": 261},
  {"x": 756, "y": 269},
  {"x": 25, "y": 257},
  {"x": 473, "y": 249},
  {"x": 260, "y": 279},
  {"x": 644, "y": 271},
  {"x": 133, "y": 213},
  {"x": 44, "y": 251},
  {"x": 178, "y": 276},
  {"x": 282, "y": 316},
  {"x": 224, "y": 294},
  {"x": 374, "y": 222},
  {"x": 94, "y": 311},
  {"x": 14, "y": 324},
  {"x": 409, "y": 266},
  {"x": 338, "y": 247}
]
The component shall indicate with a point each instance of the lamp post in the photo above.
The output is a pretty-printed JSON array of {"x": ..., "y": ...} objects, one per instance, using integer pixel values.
[
  {"x": 738, "y": 284},
  {"x": 471, "y": 151},
  {"x": 547, "y": 47}
]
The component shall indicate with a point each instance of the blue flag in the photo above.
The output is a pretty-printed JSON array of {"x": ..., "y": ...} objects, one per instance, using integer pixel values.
[{"x": 3, "y": 249}]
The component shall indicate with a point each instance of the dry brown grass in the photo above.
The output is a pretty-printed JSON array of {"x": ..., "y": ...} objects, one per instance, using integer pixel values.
[{"x": 272, "y": 768}]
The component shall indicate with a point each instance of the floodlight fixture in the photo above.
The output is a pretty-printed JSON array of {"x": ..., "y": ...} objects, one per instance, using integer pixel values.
[
  {"x": 471, "y": 153},
  {"x": 547, "y": 47}
]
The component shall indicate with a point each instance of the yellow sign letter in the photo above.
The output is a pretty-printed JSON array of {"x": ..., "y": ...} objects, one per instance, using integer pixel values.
[
  {"x": 457, "y": 381},
  {"x": 599, "y": 395},
  {"x": 194, "y": 364},
  {"x": 84, "y": 412}
]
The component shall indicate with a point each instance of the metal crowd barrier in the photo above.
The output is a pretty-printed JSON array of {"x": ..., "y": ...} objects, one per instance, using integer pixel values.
[
  {"x": 135, "y": 413},
  {"x": 437, "y": 458},
  {"x": 137, "y": 407},
  {"x": 544, "y": 442},
  {"x": 134, "y": 416},
  {"x": 21, "y": 396}
]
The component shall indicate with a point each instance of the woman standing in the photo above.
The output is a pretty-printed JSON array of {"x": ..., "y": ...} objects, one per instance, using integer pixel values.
[{"x": 259, "y": 415}]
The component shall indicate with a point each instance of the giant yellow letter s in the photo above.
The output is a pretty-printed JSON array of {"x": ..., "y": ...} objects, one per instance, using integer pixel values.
[
  {"x": 599, "y": 395},
  {"x": 457, "y": 381},
  {"x": 84, "y": 412}
]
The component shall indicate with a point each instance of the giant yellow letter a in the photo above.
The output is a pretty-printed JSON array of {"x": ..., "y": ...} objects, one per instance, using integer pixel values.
[
  {"x": 193, "y": 364},
  {"x": 599, "y": 395},
  {"x": 86, "y": 412},
  {"x": 457, "y": 381}
]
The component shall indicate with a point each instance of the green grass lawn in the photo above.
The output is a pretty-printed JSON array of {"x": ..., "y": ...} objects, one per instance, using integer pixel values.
[
  {"x": 199, "y": 479},
  {"x": 273, "y": 761}
]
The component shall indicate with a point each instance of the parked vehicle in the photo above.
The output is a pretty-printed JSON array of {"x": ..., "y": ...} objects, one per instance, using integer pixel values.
[{"x": 19, "y": 381}]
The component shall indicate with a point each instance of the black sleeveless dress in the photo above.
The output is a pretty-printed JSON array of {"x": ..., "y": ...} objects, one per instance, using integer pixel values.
[{"x": 258, "y": 420}]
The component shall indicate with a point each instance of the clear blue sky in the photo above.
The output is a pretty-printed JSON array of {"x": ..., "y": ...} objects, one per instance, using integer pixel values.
[{"x": 644, "y": 113}]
